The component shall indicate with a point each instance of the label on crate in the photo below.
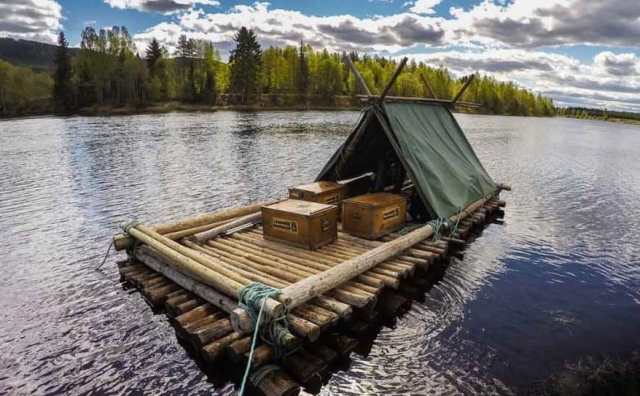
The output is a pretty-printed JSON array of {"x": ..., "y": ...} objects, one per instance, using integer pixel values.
[
  {"x": 331, "y": 200},
  {"x": 391, "y": 214},
  {"x": 285, "y": 225}
]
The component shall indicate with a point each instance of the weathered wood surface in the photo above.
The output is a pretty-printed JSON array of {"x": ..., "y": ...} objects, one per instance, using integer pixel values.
[
  {"x": 122, "y": 241},
  {"x": 208, "y": 328},
  {"x": 240, "y": 221},
  {"x": 308, "y": 288}
]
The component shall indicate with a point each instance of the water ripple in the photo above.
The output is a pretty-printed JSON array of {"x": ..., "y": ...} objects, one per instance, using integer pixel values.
[{"x": 559, "y": 280}]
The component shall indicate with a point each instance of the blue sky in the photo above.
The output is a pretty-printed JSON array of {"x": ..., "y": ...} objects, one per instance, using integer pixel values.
[{"x": 579, "y": 52}]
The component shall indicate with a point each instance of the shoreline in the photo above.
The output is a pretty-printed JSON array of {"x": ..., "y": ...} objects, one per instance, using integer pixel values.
[{"x": 177, "y": 107}]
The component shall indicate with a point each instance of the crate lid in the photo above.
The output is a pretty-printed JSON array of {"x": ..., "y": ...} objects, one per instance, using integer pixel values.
[
  {"x": 319, "y": 187},
  {"x": 305, "y": 208},
  {"x": 375, "y": 200}
]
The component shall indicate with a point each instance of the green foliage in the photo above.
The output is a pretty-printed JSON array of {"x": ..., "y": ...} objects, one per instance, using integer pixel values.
[
  {"x": 600, "y": 114},
  {"x": 107, "y": 70},
  {"x": 153, "y": 54},
  {"x": 246, "y": 62},
  {"x": 23, "y": 91},
  {"x": 62, "y": 90}
]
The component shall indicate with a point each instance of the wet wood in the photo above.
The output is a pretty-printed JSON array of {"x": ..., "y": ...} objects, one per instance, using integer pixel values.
[{"x": 278, "y": 383}]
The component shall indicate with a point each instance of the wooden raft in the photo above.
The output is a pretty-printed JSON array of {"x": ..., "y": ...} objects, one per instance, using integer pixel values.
[{"x": 324, "y": 329}]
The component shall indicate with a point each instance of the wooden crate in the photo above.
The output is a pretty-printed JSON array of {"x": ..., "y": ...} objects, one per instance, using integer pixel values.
[
  {"x": 304, "y": 224},
  {"x": 326, "y": 192},
  {"x": 372, "y": 216}
]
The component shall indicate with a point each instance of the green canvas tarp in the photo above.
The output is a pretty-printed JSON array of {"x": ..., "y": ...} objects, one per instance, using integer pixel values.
[
  {"x": 440, "y": 159},
  {"x": 431, "y": 145}
]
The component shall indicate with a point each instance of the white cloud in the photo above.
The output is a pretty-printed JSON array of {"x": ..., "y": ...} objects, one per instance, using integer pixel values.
[
  {"x": 424, "y": 6},
  {"x": 163, "y": 6},
  {"x": 287, "y": 27},
  {"x": 626, "y": 64},
  {"x": 561, "y": 77},
  {"x": 498, "y": 38},
  {"x": 526, "y": 23},
  {"x": 30, "y": 19}
]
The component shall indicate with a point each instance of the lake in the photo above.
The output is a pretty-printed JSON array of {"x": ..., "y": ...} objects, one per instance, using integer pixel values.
[{"x": 557, "y": 282}]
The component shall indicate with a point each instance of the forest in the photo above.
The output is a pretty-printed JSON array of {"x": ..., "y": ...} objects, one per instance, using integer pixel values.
[{"x": 109, "y": 71}]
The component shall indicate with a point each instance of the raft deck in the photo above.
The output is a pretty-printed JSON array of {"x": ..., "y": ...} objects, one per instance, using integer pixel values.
[{"x": 323, "y": 328}]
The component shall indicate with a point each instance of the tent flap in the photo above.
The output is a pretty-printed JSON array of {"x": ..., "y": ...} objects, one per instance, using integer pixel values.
[{"x": 441, "y": 161}]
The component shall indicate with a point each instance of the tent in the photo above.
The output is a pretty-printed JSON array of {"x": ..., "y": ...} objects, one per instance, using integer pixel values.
[{"x": 425, "y": 139}]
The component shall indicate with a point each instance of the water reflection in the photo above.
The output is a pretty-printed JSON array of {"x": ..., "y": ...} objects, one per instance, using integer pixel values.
[{"x": 559, "y": 280}]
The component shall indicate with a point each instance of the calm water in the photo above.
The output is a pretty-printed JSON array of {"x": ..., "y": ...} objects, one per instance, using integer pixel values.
[{"x": 559, "y": 281}]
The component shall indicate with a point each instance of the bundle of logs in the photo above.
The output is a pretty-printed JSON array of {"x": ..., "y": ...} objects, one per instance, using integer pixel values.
[{"x": 195, "y": 269}]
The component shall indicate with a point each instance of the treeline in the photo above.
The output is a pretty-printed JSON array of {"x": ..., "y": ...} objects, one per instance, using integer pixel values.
[
  {"x": 596, "y": 114},
  {"x": 24, "y": 91},
  {"x": 108, "y": 70}
]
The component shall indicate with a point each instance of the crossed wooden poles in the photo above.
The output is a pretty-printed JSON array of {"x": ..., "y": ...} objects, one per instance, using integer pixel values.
[{"x": 368, "y": 96}]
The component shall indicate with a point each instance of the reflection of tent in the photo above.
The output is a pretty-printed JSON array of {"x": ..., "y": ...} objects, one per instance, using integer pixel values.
[{"x": 429, "y": 144}]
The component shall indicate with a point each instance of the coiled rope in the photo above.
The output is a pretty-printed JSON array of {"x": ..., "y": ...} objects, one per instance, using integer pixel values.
[{"x": 252, "y": 298}]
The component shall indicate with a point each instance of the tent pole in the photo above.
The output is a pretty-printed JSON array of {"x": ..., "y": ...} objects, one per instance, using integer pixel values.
[
  {"x": 426, "y": 84},
  {"x": 356, "y": 73},
  {"x": 394, "y": 76},
  {"x": 464, "y": 88}
]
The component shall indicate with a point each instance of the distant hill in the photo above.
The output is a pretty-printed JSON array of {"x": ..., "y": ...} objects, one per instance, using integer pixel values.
[{"x": 27, "y": 53}]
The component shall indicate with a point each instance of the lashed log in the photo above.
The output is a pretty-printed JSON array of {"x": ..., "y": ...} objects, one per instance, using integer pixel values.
[
  {"x": 308, "y": 288},
  {"x": 214, "y": 232},
  {"x": 122, "y": 241}
]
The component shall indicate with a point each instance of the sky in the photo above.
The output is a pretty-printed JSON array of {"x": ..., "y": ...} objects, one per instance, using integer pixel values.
[{"x": 578, "y": 52}]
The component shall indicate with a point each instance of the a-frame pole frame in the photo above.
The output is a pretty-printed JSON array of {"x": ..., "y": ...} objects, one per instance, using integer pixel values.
[
  {"x": 393, "y": 78},
  {"x": 356, "y": 73},
  {"x": 428, "y": 86},
  {"x": 464, "y": 88}
]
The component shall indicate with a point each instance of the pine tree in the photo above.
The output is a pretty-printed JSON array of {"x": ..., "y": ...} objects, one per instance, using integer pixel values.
[
  {"x": 245, "y": 62},
  {"x": 152, "y": 55},
  {"x": 303, "y": 71},
  {"x": 62, "y": 93}
]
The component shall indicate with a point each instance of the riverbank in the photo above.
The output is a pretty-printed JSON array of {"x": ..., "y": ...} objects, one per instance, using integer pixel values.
[{"x": 342, "y": 104}]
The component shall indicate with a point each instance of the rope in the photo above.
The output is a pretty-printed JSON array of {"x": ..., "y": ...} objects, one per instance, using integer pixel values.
[
  {"x": 437, "y": 225},
  {"x": 252, "y": 298},
  {"x": 104, "y": 260},
  {"x": 454, "y": 229},
  {"x": 128, "y": 226}
]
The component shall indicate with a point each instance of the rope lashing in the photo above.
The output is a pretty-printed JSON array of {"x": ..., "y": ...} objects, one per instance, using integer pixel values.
[
  {"x": 252, "y": 298},
  {"x": 126, "y": 227},
  {"x": 454, "y": 229},
  {"x": 438, "y": 225}
]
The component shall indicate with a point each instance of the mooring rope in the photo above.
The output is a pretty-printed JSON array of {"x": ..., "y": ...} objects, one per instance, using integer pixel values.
[
  {"x": 104, "y": 260},
  {"x": 252, "y": 298}
]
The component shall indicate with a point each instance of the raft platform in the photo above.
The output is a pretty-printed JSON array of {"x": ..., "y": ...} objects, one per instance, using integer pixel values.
[
  {"x": 327, "y": 329},
  {"x": 285, "y": 315}
]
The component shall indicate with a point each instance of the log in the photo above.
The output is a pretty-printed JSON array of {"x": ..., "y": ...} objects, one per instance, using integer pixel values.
[
  {"x": 122, "y": 241},
  {"x": 214, "y": 232},
  {"x": 357, "y": 74},
  {"x": 315, "y": 285},
  {"x": 277, "y": 383},
  {"x": 207, "y": 293},
  {"x": 393, "y": 78},
  {"x": 203, "y": 267},
  {"x": 214, "y": 351}
]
